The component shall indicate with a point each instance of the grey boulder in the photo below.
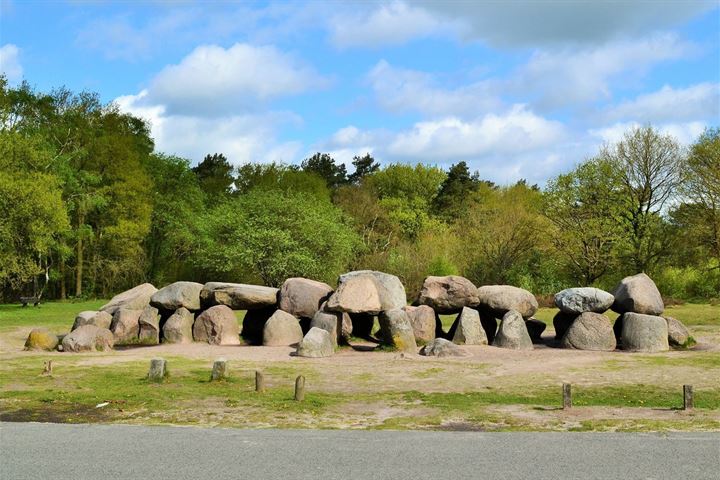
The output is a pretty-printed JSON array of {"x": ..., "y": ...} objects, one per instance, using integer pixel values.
[
  {"x": 136, "y": 298},
  {"x": 88, "y": 338},
  {"x": 91, "y": 317},
  {"x": 178, "y": 295},
  {"x": 678, "y": 334},
  {"x": 217, "y": 326},
  {"x": 644, "y": 333},
  {"x": 125, "y": 326},
  {"x": 423, "y": 322},
  {"x": 367, "y": 291},
  {"x": 590, "y": 331},
  {"x": 302, "y": 297},
  {"x": 238, "y": 296},
  {"x": 467, "y": 330},
  {"x": 397, "y": 331},
  {"x": 315, "y": 344},
  {"x": 281, "y": 329},
  {"x": 638, "y": 294},
  {"x": 448, "y": 294},
  {"x": 179, "y": 327},
  {"x": 513, "y": 333},
  {"x": 500, "y": 299},
  {"x": 584, "y": 299},
  {"x": 443, "y": 348},
  {"x": 149, "y": 324}
]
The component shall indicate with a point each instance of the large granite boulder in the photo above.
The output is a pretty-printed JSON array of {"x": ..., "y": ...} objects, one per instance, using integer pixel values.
[
  {"x": 238, "y": 296},
  {"x": 315, "y": 344},
  {"x": 338, "y": 324},
  {"x": 100, "y": 319},
  {"x": 136, "y": 298},
  {"x": 254, "y": 323},
  {"x": 443, "y": 348},
  {"x": 562, "y": 322},
  {"x": 448, "y": 294},
  {"x": 179, "y": 327},
  {"x": 149, "y": 324},
  {"x": 302, "y": 297},
  {"x": 41, "y": 339},
  {"x": 467, "y": 330},
  {"x": 367, "y": 291},
  {"x": 513, "y": 333},
  {"x": 644, "y": 333},
  {"x": 535, "y": 329},
  {"x": 178, "y": 295},
  {"x": 125, "y": 326},
  {"x": 397, "y": 331},
  {"x": 638, "y": 294},
  {"x": 423, "y": 322},
  {"x": 217, "y": 326},
  {"x": 500, "y": 299},
  {"x": 281, "y": 329},
  {"x": 585, "y": 299},
  {"x": 590, "y": 331},
  {"x": 88, "y": 338},
  {"x": 678, "y": 334}
]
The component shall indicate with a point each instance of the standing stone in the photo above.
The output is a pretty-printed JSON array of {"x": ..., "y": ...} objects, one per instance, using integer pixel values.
[
  {"x": 562, "y": 322},
  {"x": 178, "y": 328},
  {"x": 513, "y": 333},
  {"x": 136, "y": 298},
  {"x": 158, "y": 370},
  {"x": 281, "y": 329},
  {"x": 644, "y": 333},
  {"x": 149, "y": 323},
  {"x": 302, "y": 297},
  {"x": 535, "y": 329},
  {"x": 238, "y": 296},
  {"x": 217, "y": 326},
  {"x": 41, "y": 339},
  {"x": 88, "y": 338},
  {"x": 585, "y": 299},
  {"x": 219, "y": 370},
  {"x": 125, "y": 326},
  {"x": 678, "y": 334},
  {"x": 423, "y": 322},
  {"x": 638, "y": 294},
  {"x": 448, "y": 294},
  {"x": 331, "y": 322},
  {"x": 397, "y": 331},
  {"x": 100, "y": 319},
  {"x": 367, "y": 291},
  {"x": 443, "y": 348},
  {"x": 315, "y": 344},
  {"x": 254, "y": 324},
  {"x": 467, "y": 330},
  {"x": 590, "y": 331},
  {"x": 178, "y": 295},
  {"x": 500, "y": 299}
]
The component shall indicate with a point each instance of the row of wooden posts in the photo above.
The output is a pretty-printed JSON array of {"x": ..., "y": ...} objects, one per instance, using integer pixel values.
[{"x": 158, "y": 372}]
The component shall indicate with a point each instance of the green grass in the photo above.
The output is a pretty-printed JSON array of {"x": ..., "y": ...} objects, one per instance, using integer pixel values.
[
  {"x": 690, "y": 314},
  {"x": 56, "y": 316}
]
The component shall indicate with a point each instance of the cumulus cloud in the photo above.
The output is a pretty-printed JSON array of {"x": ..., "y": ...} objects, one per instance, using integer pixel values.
[
  {"x": 685, "y": 133},
  {"x": 701, "y": 101},
  {"x": 10, "y": 62}
]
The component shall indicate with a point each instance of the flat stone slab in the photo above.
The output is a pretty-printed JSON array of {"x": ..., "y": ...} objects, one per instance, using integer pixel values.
[
  {"x": 584, "y": 299},
  {"x": 238, "y": 296}
]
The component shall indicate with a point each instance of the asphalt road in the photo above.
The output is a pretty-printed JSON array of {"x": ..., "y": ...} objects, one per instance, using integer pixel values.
[{"x": 52, "y": 451}]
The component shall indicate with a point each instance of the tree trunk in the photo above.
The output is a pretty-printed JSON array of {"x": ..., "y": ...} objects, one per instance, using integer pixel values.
[
  {"x": 63, "y": 290},
  {"x": 79, "y": 258}
]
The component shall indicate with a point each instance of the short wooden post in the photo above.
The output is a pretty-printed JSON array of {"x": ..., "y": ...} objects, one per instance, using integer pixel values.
[
  {"x": 48, "y": 368},
  {"x": 259, "y": 381},
  {"x": 688, "y": 401},
  {"x": 300, "y": 388},
  {"x": 567, "y": 396},
  {"x": 219, "y": 370},
  {"x": 158, "y": 370}
]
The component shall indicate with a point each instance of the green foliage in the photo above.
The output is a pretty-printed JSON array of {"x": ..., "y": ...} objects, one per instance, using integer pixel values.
[
  {"x": 364, "y": 166},
  {"x": 324, "y": 165},
  {"x": 215, "y": 175},
  {"x": 274, "y": 176}
]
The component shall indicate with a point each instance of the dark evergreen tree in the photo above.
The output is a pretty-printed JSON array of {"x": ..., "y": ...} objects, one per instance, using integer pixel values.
[
  {"x": 364, "y": 165},
  {"x": 324, "y": 165},
  {"x": 215, "y": 175}
]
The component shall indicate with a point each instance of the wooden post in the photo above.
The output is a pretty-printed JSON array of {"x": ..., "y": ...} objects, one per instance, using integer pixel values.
[
  {"x": 567, "y": 396},
  {"x": 300, "y": 388},
  {"x": 219, "y": 370},
  {"x": 158, "y": 370},
  {"x": 48, "y": 368},
  {"x": 688, "y": 401},
  {"x": 259, "y": 381}
]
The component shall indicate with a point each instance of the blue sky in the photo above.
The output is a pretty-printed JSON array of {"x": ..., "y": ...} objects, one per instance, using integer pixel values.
[{"x": 522, "y": 89}]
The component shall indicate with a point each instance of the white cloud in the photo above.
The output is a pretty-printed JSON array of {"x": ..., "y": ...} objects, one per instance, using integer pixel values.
[
  {"x": 402, "y": 90},
  {"x": 569, "y": 76},
  {"x": 212, "y": 79},
  {"x": 685, "y": 133},
  {"x": 701, "y": 101},
  {"x": 10, "y": 62},
  {"x": 388, "y": 24}
]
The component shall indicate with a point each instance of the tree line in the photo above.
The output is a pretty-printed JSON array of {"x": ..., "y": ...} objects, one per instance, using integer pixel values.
[{"x": 88, "y": 207}]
